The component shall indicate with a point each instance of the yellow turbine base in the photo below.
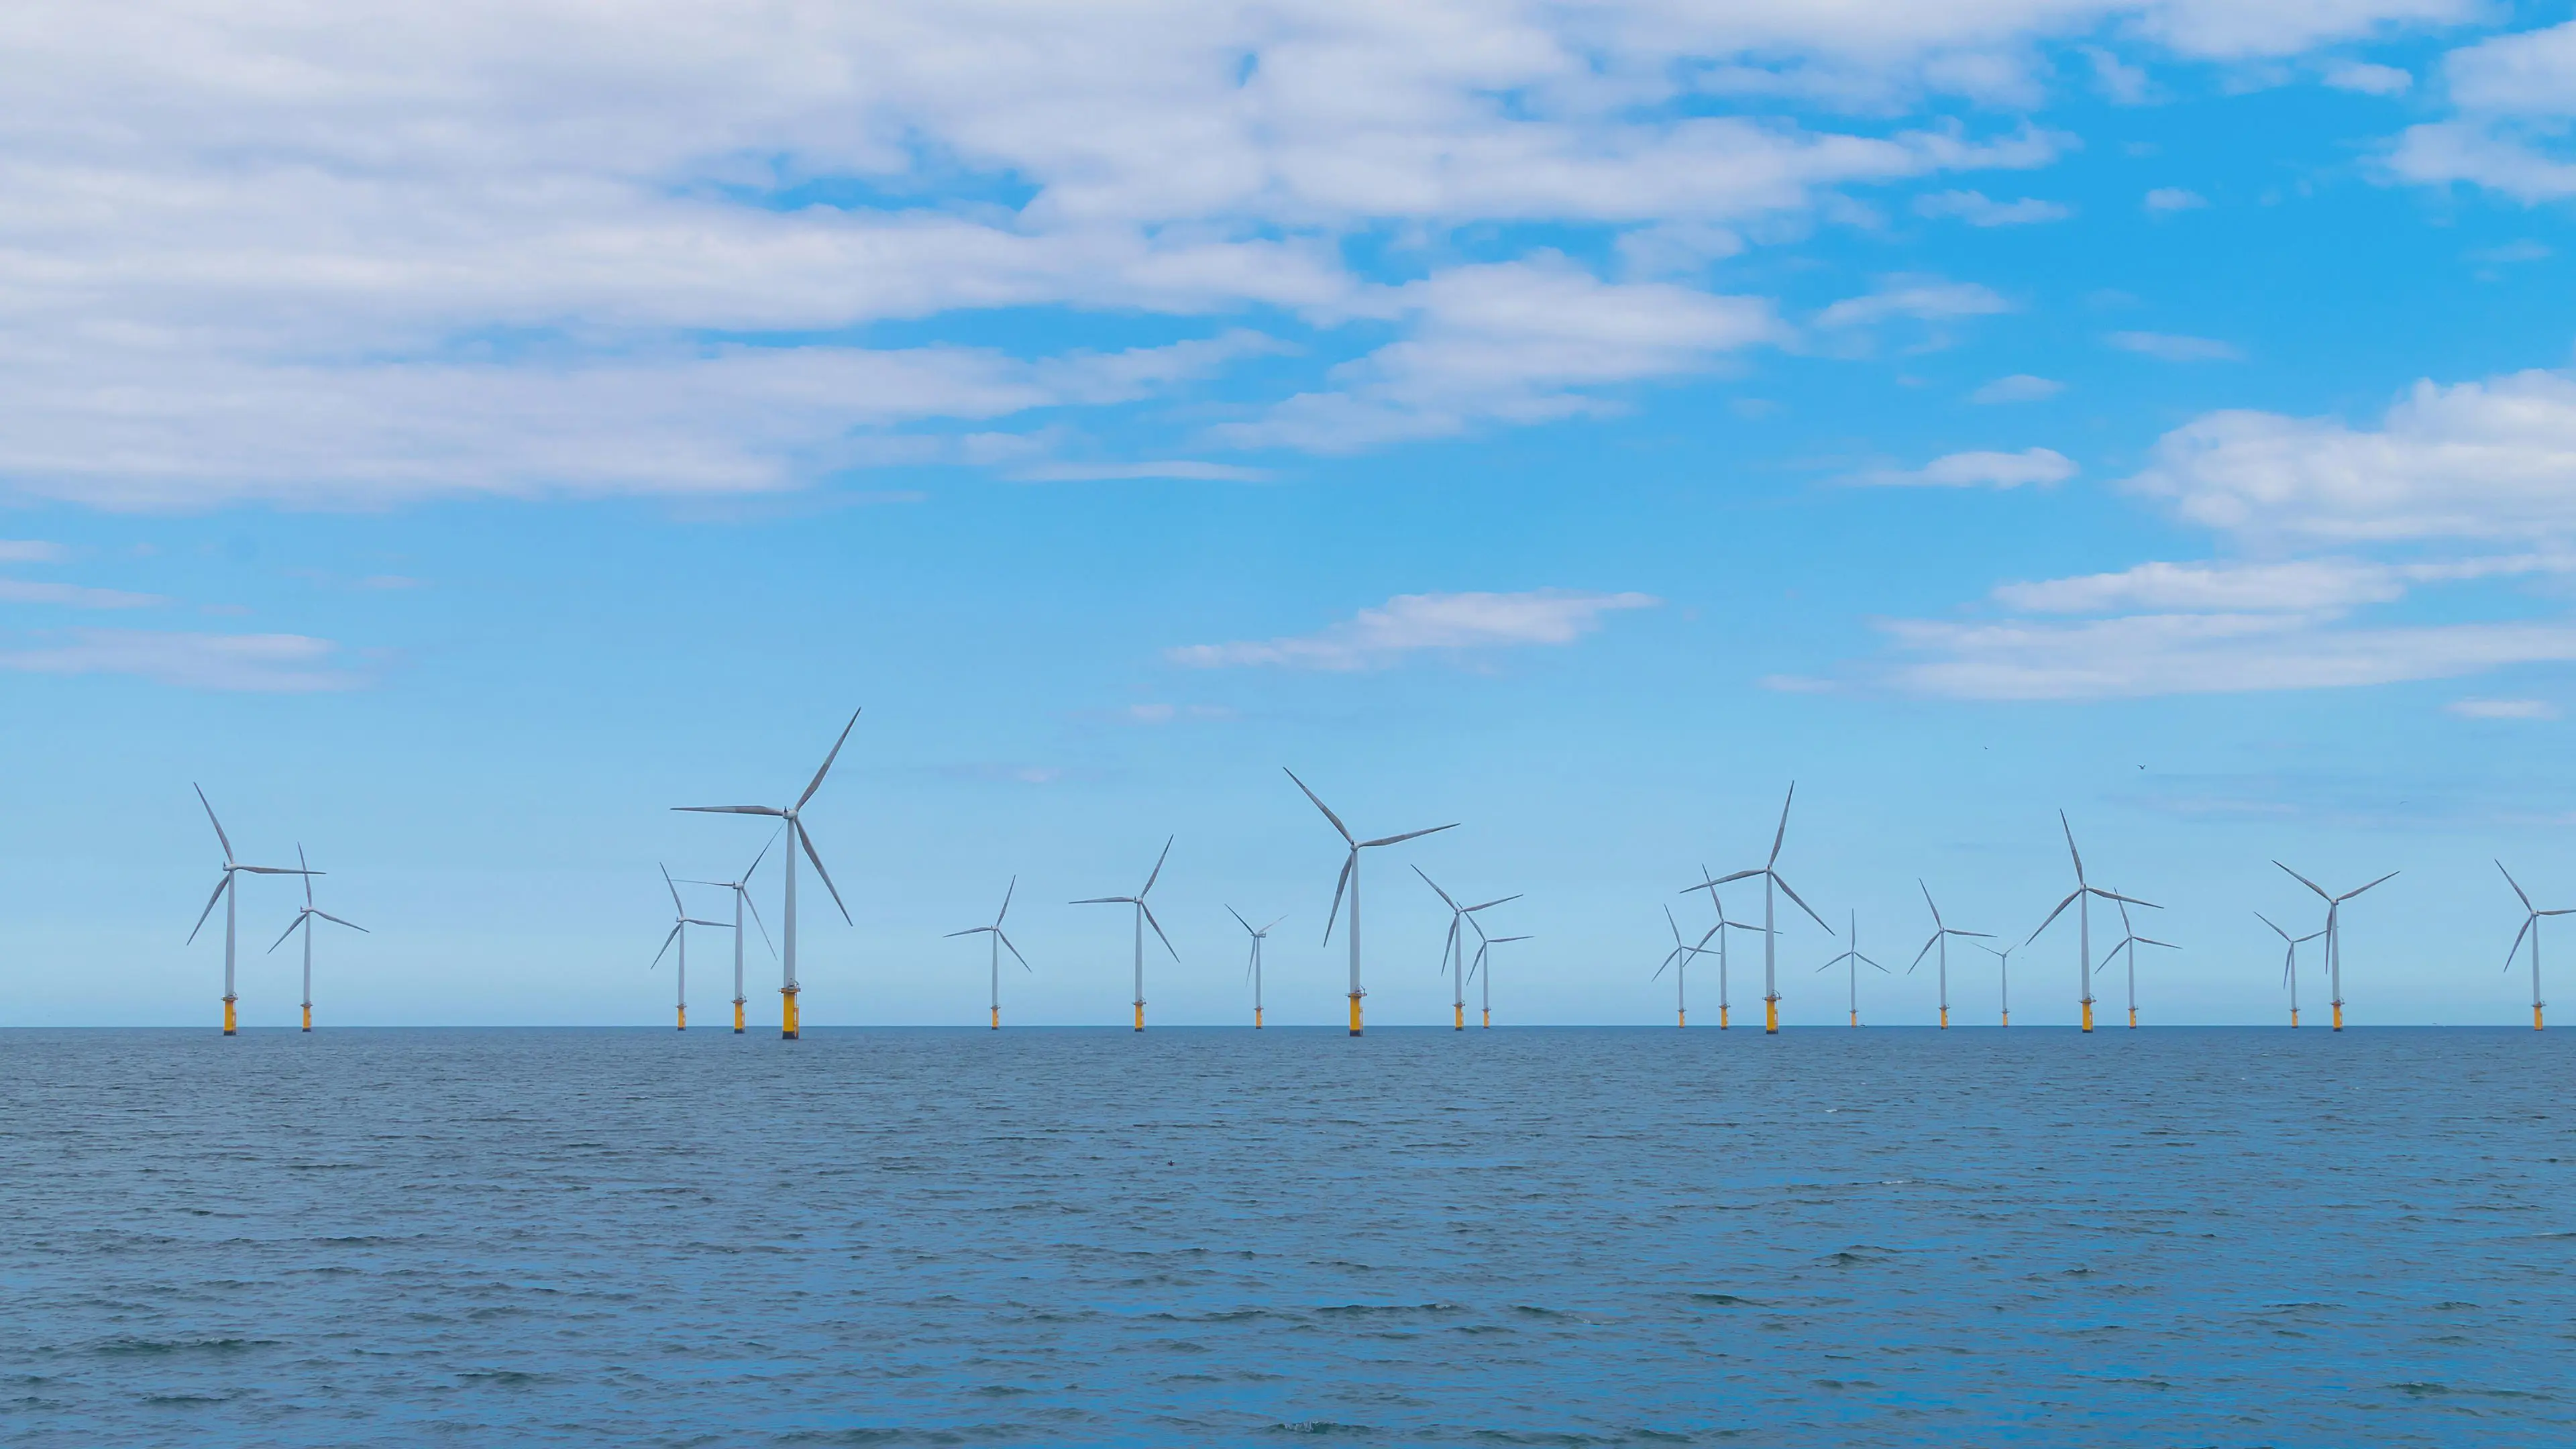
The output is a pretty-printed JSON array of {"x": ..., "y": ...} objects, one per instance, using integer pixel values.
[
  {"x": 1945, "y": 1018},
  {"x": 1721, "y": 1018},
  {"x": 737, "y": 1016},
  {"x": 1457, "y": 1016},
  {"x": 2133, "y": 1018},
  {"x": 1771, "y": 1015},
  {"x": 308, "y": 1015},
  {"x": 1681, "y": 1018},
  {"x": 1355, "y": 1013},
  {"x": 787, "y": 1015},
  {"x": 2338, "y": 1010},
  {"x": 2007, "y": 1018},
  {"x": 2535, "y": 1016},
  {"x": 997, "y": 1018},
  {"x": 228, "y": 1016},
  {"x": 1489, "y": 1018},
  {"x": 1855, "y": 1018},
  {"x": 1256, "y": 1018},
  {"x": 2294, "y": 1018},
  {"x": 2088, "y": 1016},
  {"x": 684, "y": 1018},
  {"x": 1140, "y": 1016}
]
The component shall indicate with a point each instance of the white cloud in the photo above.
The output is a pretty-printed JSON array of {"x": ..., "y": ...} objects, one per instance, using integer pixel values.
[
  {"x": 252, "y": 663},
  {"x": 2019, "y": 387},
  {"x": 1926, "y": 298},
  {"x": 1413, "y": 623},
  {"x": 2168, "y": 347},
  {"x": 2320, "y": 586},
  {"x": 2516, "y": 94},
  {"x": 1976, "y": 209},
  {"x": 2525, "y": 250},
  {"x": 2501, "y": 709},
  {"x": 1180, "y": 468},
  {"x": 29, "y": 550},
  {"x": 2369, "y": 80},
  {"x": 30, "y": 591},
  {"x": 1978, "y": 470},
  {"x": 2174, "y": 198},
  {"x": 2530, "y": 73}
]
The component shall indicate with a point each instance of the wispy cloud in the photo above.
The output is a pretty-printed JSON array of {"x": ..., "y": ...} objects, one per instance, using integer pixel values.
[
  {"x": 2167, "y": 199},
  {"x": 2170, "y": 347},
  {"x": 1411, "y": 624},
  {"x": 29, "y": 550},
  {"x": 2368, "y": 79},
  {"x": 246, "y": 663},
  {"x": 2501, "y": 709},
  {"x": 73, "y": 596},
  {"x": 2041, "y": 466},
  {"x": 1977, "y": 209},
  {"x": 2018, "y": 388},
  {"x": 1178, "y": 468},
  {"x": 1928, "y": 299}
]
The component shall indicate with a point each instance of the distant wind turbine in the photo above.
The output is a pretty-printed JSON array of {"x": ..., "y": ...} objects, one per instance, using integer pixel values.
[
  {"x": 2530, "y": 927},
  {"x": 1001, "y": 943},
  {"x": 1453, "y": 954},
  {"x": 741, "y": 889},
  {"x": 1351, "y": 881},
  {"x": 1723, "y": 926},
  {"x": 1144, "y": 918},
  {"x": 230, "y": 895},
  {"x": 1483, "y": 969},
  {"x": 1252, "y": 968},
  {"x": 2334, "y": 932},
  {"x": 1857, "y": 960},
  {"x": 2003, "y": 976},
  {"x": 304, "y": 922},
  {"x": 1677, "y": 961},
  {"x": 2082, "y": 899},
  {"x": 2290, "y": 961},
  {"x": 2130, "y": 941},
  {"x": 1941, "y": 934},
  {"x": 680, "y": 933},
  {"x": 797, "y": 837},
  {"x": 1770, "y": 873}
]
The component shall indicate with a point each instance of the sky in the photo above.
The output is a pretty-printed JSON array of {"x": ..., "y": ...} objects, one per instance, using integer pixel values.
[{"x": 453, "y": 436}]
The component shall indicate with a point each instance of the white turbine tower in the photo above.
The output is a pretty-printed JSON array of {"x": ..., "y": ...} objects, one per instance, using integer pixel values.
[
  {"x": 1144, "y": 918},
  {"x": 1723, "y": 926},
  {"x": 998, "y": 945},
  {"x": 1482, "y": 969},
  {"x": 2082, "y": 899},
  {"x": 2334, "y": 932},
  {"x": 2290, "y": 961},
  {"x": 741, "y": 889},
  {"x": 1453, "y": 952},
  {"x": 2130, "y": 941},
  {"x": 1351, "y": 881},
  {"x": 1857, "y": 960},
  {"x": 1941, "y": 934},
  {"x": 304, "y": 921},
  {"x": 2530, "y": 927},
  {"x": 1770, "y": 873},
  {"x": 230, "y": 895},
  {"x": 1678, "y": 960},
  {"x": 797, "y": 837},
  {"x": 1252, "y": 968},
  {"x": 680, "y": 933},
  {"x": 2003, "y": 976}
]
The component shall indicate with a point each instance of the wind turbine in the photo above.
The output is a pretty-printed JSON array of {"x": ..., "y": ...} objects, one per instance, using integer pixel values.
[
  {"x": 304, "y": 920},
  {"x": 2130, "y": 941},
  {"x": 680, "y": 933},
  {"x": 1252, "y": 968},
  {"x": 1453, "y": 954},
  {"x": 1770, "y": 873},
  {"x": 1482, "y": 971},
  {"x": 1001, "y": 943},
  {"x": 2003, "y": 975},
  {"x": 2334, "y": 932},
  {"x": 741, "y": 900},
  {"x": 230, "y": 895},
  {"x": 1857, "y": 960},
  {"x": 1723, "y": 926},
  {"x": 1144, "y": 917},
  {"x": 1351, "y": 881},
  {"x": 2290, "y": 961},
  {"x": 2082, "y": 899},
  {"x": 797, "y": 836},
  {"x": 2530, "y": 927},
  {"x": 1941, "y": 934},
  {"x": 1677, "y": 961}
]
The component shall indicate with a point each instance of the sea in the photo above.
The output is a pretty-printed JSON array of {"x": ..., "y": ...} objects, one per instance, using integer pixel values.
[{"x": 1837, "y": 1237}]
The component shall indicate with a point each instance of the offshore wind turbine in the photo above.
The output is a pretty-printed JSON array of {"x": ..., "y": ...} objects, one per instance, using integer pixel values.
[
  {"x": 2082, "y": 899},
  {"x": 1857, "y": 960},
  {"x": 2290, "y": 961},
  {"x": 2530, "y": 927},
  {"x": 1482, "y": 970},
  {"x": 1453, "y": 954},
  {"x": 1723, "y": 926},
  {"x": 2130, "y": 941},
  {"x": 797, "y": 836},
  {"x": 1769, "y": 870},
  {"x": 1351, "y": 881},
  {"x": 680, "y": 933},
  {"x": 1001, "y": 943},
  {"x": 741, "y": 889},
  {"x": 2003, "y": 976},
  {"x": 304, "y": 921},
  {"x": 230, "y": 895},
  {"x": 1144, "y": 918},
  {"x": 1941, "y": 934},
  {"x": 1252, "y": 968},
  {"x": 2334, "y": 932},
  {"x": 1677, "y": 961}
]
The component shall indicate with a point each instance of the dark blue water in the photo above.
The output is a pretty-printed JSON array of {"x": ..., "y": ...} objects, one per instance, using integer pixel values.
[{"x": 1212, "y": 1237}]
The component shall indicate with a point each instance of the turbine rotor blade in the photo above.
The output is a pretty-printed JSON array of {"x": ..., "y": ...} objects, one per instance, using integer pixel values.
[
  {"x": 2070, "y": 846},
  {"x": 1499, "y": 901},
  {"x": 335, "y": 920},
  {"x": 827, "y": 764},
  {"x": 1335, "y": 913},
  {"x": 805, "y": 838},
  {"x": 2515, "y": 949},
  {"x": 676, "y": 907},
  {"x": 303, "y": 917},
  {"x": 2517, "y": 885},
  {"x": 307, "y": 867},
  {"x": 754, "y": 907},
  {"x": 2276, "y": 930},
  {"x": 729, "y": 809},
  {"x": 764, "y": 855},
  {"x": 2312, "y": 885},
  {"x": 1708, "y": 885},
  {"x": 1435, "y": 888},
  {"x": 2071, "y": 898},
  {"x": 210, "y": 906},
  {"x": 1926, "y": 951},
  {"x": 666, "y": 945},
  {"x": 1158, "y": 867},
  {"x": 2383, "y": 880},
  {"x": 1408, "y": 835},
  {"x": 1007, "y": 892},
  {"x": 1015, "y": 952},
  {"x": 1802, "y": 905},
  {"x": 1320, "y": 805},
  {"x": 1158, "y": 930},
  {"x": 1240, "y": 921},
  {"x": 1781, "y": 835},
  {"x": 1927, "y": 900},
  {"x": 211, "y": 820}
]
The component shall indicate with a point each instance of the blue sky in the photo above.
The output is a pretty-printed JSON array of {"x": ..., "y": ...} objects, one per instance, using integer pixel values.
[{"x": 455, "y": 438}]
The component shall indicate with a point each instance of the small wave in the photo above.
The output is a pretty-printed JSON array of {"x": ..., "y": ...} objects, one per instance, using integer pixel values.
[
  {"x": 146, "y": 1347},
  {"x": 1324, "y": 1427}
]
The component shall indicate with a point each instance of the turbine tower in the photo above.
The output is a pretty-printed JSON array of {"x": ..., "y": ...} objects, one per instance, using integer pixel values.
[
  {"x": 2082, "y": 899},
  {"x": 1351, "y": 881},
  {"x": 1144, "y": 918},
  {"x": 1677, "y": 961},
  {"x": 304, "y": 921},
  {"x": 2290, "y": 961},
  {"x": 1252, "y": 968},
  {"x": 1453, "y": 954},
  {"x": 999, "y": 944},
  {"x": 680, "y": 933},
  {"x": 1941, "y": 934},
  {"x": 741, "y": 889},
  {"x": 1483, "y": 971},
  {"x": 230, "y": 895},
  {"x": 1770, "y": 873},
  {"x": 2334, "y": 932},
  {"x": 797, "y": 837},
  {"x": 2130, "y": 941},
  {"x": 1723, "y": 926},
  {"x": 1857, "y": 960},
  {"x": 2530, "y": 927},
  {"x": 2003, "y": 976}
]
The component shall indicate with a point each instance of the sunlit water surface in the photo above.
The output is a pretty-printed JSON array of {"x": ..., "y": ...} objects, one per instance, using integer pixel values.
[{"x": 1217, "y": 1237}]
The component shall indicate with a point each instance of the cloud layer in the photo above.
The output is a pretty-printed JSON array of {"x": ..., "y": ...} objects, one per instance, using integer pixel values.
[{"x": 1411, "y": 624}]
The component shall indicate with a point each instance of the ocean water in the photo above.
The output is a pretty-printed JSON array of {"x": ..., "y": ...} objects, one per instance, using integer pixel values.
[{"x": 1204, "y": 1237}]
